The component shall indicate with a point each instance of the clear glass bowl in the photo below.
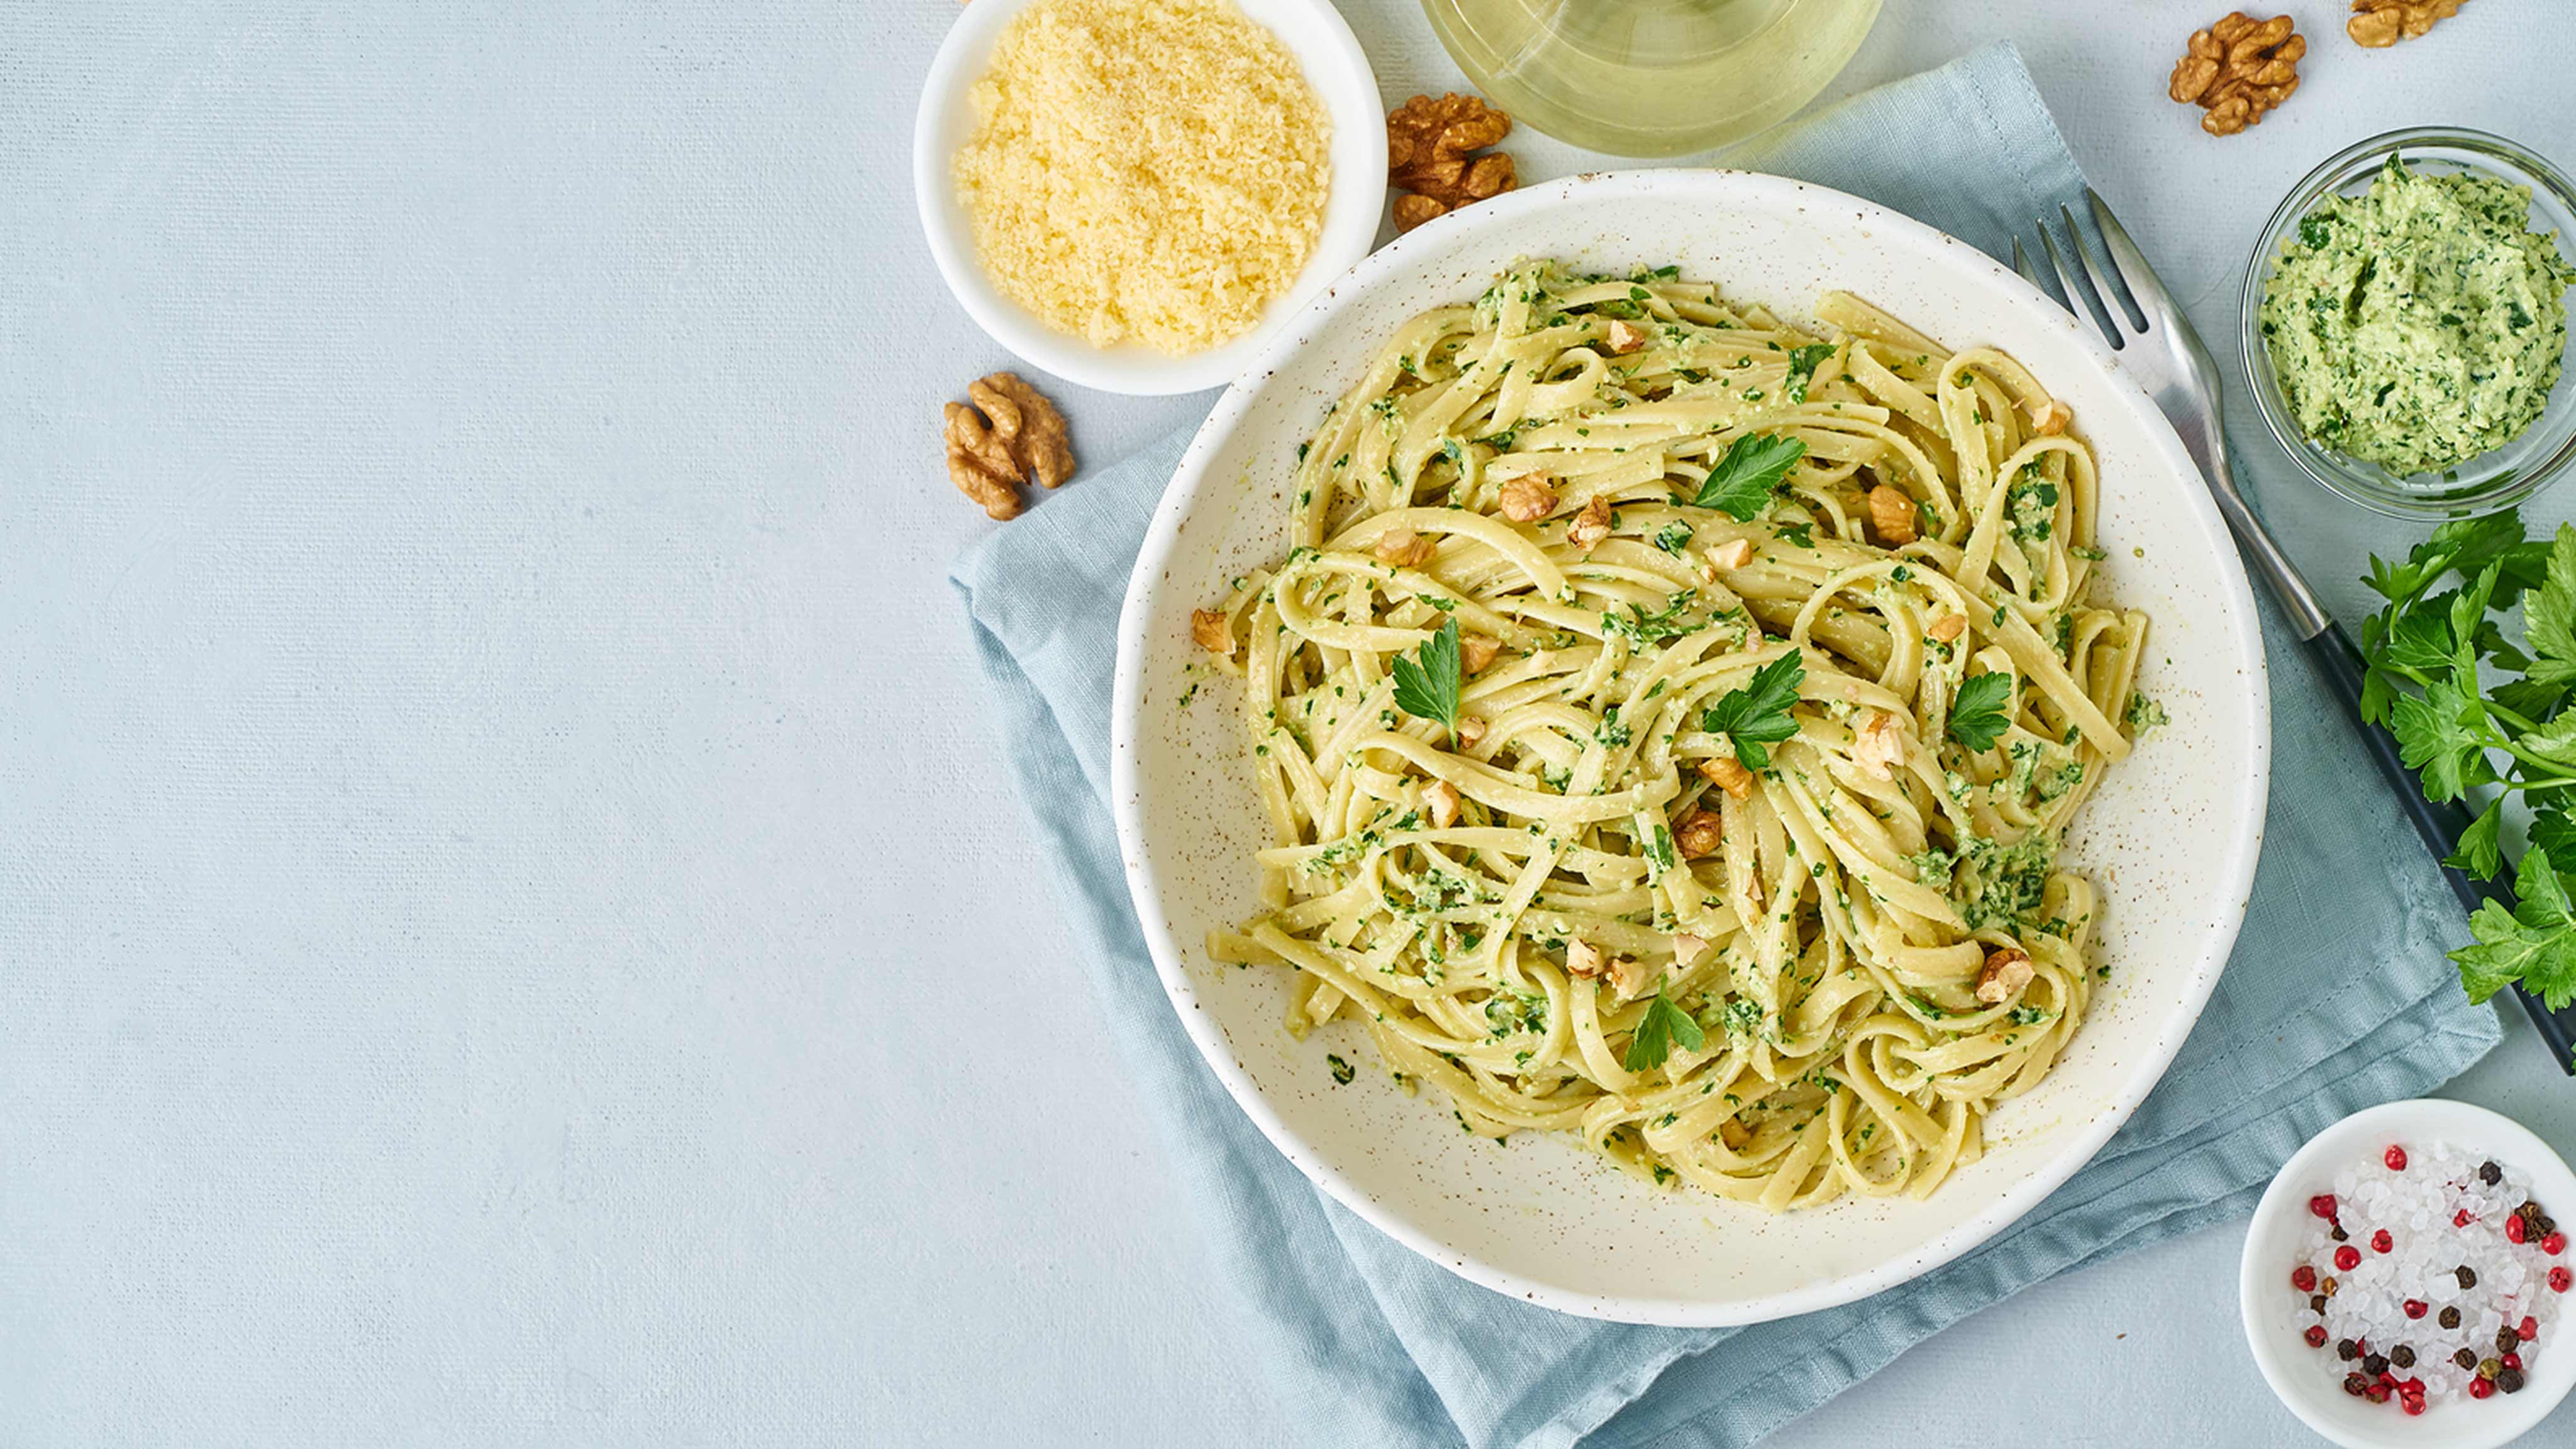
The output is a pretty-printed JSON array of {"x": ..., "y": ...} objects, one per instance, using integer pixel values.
[{"x": 2493, "y": 480}]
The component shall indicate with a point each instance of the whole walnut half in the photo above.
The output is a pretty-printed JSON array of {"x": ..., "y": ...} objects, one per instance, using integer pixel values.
[
  {"x": 1018, "y": 436},
  {"x": 2239, "y": 69},
  {"x": 2382, "y": 23},
  {"x": 1427, "y": 156}
]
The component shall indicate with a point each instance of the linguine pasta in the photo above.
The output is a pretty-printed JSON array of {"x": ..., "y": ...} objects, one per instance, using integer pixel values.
[{"x": 1778, "y": 682}]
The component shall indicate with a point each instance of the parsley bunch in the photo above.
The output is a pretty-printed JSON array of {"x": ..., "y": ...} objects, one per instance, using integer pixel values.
[{"x": 2460, "y": 732}]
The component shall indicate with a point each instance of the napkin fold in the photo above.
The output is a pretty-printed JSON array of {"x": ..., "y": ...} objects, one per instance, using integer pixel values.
[{"x": 2337, "y": 995}]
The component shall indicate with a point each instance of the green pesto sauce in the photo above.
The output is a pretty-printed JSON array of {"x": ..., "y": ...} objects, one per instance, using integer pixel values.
[{"x": 2419, "y": 324}]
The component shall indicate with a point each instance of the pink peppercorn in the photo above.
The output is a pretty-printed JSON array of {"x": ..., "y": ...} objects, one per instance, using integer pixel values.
[
  {"x": 2396, "y": 1159},
  {"x": 2316, "y": 1335},
  {"x": 2304, "y": 1278},
  {"x": 2481, "y": 1388},
  {"x": 2514, "y": 1229},
  {"x": 2380, "y": 1242},
  {"x": 2554, "y": 1244},
  {"x": 2322, "y": 1205},
  {"x": 2417, "y": 1308},
  {"x": 2347, "y": 1258},
  {"x": 2412, "y": 1404},
  {"x": 2511, "y": 1360},
  {"x": 2559, "y": 1278},
  {"x": 2461, "y": 1219},
  {"x": 2528, "y": 1329}
]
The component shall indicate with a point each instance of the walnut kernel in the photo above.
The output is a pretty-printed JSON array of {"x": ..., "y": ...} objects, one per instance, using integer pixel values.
[
  {"x": 1427, "y": 156},
  {"x": 1527, "y": 499},
  {"x": 2007, "y": 971},
  {"x": 1701, "y": 833},
  {"x": 2237, "y": 70},
  {"x": 1891, "y": 514},
  {"x": 1590, "y": 526},
  {"x": 1403, "y": 548},
  {"x": 2378, "y": 24}
]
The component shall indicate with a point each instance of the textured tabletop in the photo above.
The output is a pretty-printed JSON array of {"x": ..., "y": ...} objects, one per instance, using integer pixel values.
[{"x": 512, "y": 927}]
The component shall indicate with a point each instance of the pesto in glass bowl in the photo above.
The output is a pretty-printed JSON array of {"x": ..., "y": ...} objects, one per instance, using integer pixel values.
[{"x": 2406, "y": 323}]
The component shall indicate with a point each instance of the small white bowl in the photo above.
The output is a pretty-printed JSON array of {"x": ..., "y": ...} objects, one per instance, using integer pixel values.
[
  {"x": 2271, "y": 1325},
  {"x": 1330, "y": 55}
]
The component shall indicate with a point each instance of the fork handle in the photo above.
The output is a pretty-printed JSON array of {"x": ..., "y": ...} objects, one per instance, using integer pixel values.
[{"x": 2439, "y": 823}]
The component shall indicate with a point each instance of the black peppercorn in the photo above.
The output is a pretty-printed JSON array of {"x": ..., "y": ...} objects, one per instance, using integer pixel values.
[
  {"x": 2374, "y": 1364},
  {"x": 2490, "y": 1174},
  {"x": 2347, "y": 1350},
  {"x": 2317, "y": 1302},
  {"x": 2509, "y": 1380},
  {"x": 2451, "y": 1318},
  {"x": 2468, "y": 1276},
  {"x": 2337, "y": 1233},
  {"x": 2466, "y": 1358},
  {"x": 2402, "y": 1356},
  {"x": 2506, "y": 1339}
]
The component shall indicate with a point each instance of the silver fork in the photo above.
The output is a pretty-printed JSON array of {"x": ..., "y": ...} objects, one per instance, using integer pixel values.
[
  {"x": 2159, "y": 349},
  {"x": 2161, "y": 352}
]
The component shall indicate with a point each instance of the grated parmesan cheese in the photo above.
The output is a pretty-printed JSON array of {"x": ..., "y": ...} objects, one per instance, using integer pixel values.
[{"x": 1147, "y": 171}]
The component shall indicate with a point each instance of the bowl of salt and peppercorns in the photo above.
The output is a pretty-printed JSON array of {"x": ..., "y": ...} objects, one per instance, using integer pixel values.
[{"x": 2404, "y": 1279}]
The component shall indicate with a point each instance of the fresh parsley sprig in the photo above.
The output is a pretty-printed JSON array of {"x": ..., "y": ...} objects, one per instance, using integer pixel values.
[
  {"x": 1978, "y": 714},
  {"x": 1426, "y": 686},
  {"x": 1663, "y": 1024},
  {"x": 1741, "y": 483},
  {"x": 2425, "y": 651},
  {"x": 1757, "y": 714}
]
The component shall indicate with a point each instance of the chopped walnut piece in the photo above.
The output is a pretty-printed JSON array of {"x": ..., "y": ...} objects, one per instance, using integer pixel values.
[
  {"x": 1427, "y": 154},
  {"x": 1471, "y": 728},
  {"x": 1018, "y": 436},
  {"x": 1628, "y": 976},
  {"x": 1404, "y": 548},
  {"x": 1686, "y": 948},
  {"x": 1701, "y": 833},
  {"x": 1583, "y": 959},
  {"x": 1734, "y": 1134},
  {"x": 1590, "y": 526},
  {"x": 1626, "y": 336},
  {"x": 1891, "y": 514},
  {"x": 1527, "y": 499},
  {"x": 1023, "y": 418},
  {"x": 2378, "y": 24},
  {"x": 1211, "y": 630},
  {"x": 1444, "y": 802},
  {"x": 1946, "y": 628},
  {"x": 980, "y": 463},
  {"x": 2237, "y": 70},
  {"x": 1728, "y": 773},
  {"x": 2007, "y": 971},
  {"x": 1735, "y": 553},
  {"x": 1475, "y": 651},
  {"x": 1879, "y": 745},
  {"x": 2051, "y": 420}
]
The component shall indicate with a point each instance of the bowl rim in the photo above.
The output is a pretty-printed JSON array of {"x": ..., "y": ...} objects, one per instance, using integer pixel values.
[
  {"x": 1345, "y": 86},
  {"x": 1151, "y": 577},
  {"x": 2461, "y": 1124},
  {"x": 2330, "y": 470}
]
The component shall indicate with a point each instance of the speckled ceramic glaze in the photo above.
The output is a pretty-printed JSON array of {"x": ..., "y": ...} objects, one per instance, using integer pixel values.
[{"x": 2171, "y": 836}]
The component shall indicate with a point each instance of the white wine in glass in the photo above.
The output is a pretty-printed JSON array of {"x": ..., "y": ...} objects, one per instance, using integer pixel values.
[{"x": 1651, "y": 77}]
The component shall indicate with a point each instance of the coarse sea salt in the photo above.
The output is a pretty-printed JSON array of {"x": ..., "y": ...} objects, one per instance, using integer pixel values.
[{"x": 2397, "y": 1311}]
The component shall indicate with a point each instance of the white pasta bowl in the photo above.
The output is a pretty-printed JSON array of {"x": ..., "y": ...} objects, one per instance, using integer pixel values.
[
  {"x": 1315, "y": 33},
  {"x": 2170, "y": 837}
]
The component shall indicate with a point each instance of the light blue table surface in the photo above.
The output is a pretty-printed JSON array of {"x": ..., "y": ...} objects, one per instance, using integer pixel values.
[{"x": 512, "y": 928}]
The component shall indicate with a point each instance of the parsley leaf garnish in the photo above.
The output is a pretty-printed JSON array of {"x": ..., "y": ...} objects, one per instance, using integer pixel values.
[
  {"x": 1758, "y": 714},
  {"x": 2429, "y": 656},
  {"x": 1977, "y": 716},
  {"x": 1426, "y": 687},
  {"x": 1664, "y": 1024},
  {"x": 2534, "y": 943},
  {"x": 1803, "y": 362},
  {"x": 1741, "y": 482}
]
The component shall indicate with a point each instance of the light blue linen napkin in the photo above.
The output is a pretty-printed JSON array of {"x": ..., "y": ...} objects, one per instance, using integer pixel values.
[{"x": 1372, "y": 1345}]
